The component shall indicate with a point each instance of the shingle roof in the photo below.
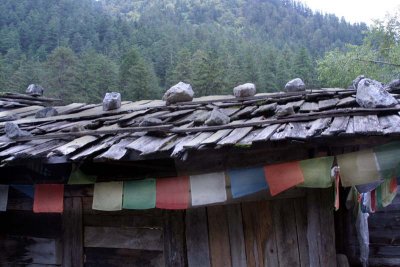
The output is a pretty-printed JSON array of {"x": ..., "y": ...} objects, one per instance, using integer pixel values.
[{"x": 81, "y": 131}]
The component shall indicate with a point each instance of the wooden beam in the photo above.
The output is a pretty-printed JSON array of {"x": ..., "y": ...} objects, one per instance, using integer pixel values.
[
  {"x": 174, "y": 239},
  {"x": 73, "y": 233}
]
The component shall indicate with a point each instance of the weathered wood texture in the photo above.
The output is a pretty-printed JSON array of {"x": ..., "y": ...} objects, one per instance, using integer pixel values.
[
  {"x": 278, "y": 232},
  {"x": 72, "y": 233}
]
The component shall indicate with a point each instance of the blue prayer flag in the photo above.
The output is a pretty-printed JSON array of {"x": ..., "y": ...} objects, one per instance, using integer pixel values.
[{"x": 247, "y": 181}]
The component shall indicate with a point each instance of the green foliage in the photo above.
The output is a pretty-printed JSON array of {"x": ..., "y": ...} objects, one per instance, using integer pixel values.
[
  {"x": 338, "y": 68},
  {"x": 137, "y": 79}
]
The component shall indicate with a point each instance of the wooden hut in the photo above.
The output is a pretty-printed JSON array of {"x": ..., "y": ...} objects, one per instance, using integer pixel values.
[{"x": 298, "y": 227}]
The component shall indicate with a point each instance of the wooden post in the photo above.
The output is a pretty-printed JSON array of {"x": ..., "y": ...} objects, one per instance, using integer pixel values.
[{"x": 72, "y": 233}]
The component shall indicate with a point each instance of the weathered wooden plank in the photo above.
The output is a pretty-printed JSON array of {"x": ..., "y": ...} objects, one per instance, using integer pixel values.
[
  {"x": 266, "y": 133},
  {"x": 23, "y": 250},
  {"x": 72, "y": 233},
  {"x": 74, "y": 145},
  {"x": 328, "y": 250},
  {"x": 248, "y": 139},
  {"x": 218, "y": 235},
  {"x": 259, "y": 234},
  {"x": 236, "y": 235},
  {"x": 149, "y": 144},
  {"x": 390, "y": 124},
  {"x": 196, "y": 142},
  {"x": 179, "y": 146},
  {"x": 300, "y": 210},
  {"x": 235, "y": 136},
  {"x": 63, "y": 110},
  {"x": 13, "y": 112},
  {"x": 111, "y": 257},
  {"x": 339, "y": 125},
  {"x": 367, "y": 125},
  {"x": 117, "y": 151},
  {"x": 104, "y": 144},
  {"x": 313, "y": 229},
  {"x": 309, "y": 107},
  {"x": 130, "y": 238},
  {"x": 122, "y": 221},
  {"x": 327, "y": 104},
  {"x": 296, "y": 130},
  {"x": 350, "y": 127},
  {"x": 198, "y": 252},
  {"x": 215, "y": 137},
  {"x": 286, "y": 233},
  {"x": 345, "y": 102},
  {"x": 280, "y": 133},
  {"x": 174, "y": 239}
]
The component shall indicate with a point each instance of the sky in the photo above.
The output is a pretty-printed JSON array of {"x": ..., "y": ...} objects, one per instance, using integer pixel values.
[{"x": 355, "y": 10}]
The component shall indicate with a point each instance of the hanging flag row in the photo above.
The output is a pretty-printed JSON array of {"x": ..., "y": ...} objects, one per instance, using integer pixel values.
[{"x": 211, "y": 188}]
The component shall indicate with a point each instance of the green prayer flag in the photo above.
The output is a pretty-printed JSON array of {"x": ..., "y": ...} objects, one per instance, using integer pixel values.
[
  {"x": 140, "y": 194},
  {"x": 317, "y": 172},
  {"x": 388, "y": 159},
  {"x": 79, "y": 177}
]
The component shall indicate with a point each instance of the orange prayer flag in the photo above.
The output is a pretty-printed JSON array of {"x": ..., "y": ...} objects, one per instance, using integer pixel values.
[
  {"x": 48, "y": 198},
  {"x": 172, "y": 193},
  {"x": 393, "y": 185},
  {"x": 281, "y": 177}
]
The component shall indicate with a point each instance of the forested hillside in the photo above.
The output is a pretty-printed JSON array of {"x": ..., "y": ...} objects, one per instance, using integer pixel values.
[{"x": 79, "y": 49}]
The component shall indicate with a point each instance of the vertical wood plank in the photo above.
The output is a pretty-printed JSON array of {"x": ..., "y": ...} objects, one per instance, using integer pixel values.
[
  {"x": 286, "y": 233},
  {"x": 313, "y": 228},
  {"x": 219, "y": 237},
  {"x": 72, "y": 233},
  {"x": 197, "y": 238},
  {"x": 174, "y": 239},
  {"x": 301, "y": 223},
  {"x": 328, "y": 248},
  {"x": 236, "y": 236},
  {"x": 258, "y": 233}
]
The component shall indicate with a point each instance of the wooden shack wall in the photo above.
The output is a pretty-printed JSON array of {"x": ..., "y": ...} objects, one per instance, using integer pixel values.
[{"x": 282, "y": 232}]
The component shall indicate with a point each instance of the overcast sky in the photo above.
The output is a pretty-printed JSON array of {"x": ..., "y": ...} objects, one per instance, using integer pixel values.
[{"x": 355, "y": 10}]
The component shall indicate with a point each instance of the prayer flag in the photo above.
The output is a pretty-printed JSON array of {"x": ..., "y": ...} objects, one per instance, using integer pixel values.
[
  {"x": 358, "y": 168},
  {"x": 140, "y": 194},
  {"x": 208, "y": 188},
  {"x": 247, "y": 181},
  {"x": 172, "y": 193},
  {"x": 48, "y": 198},
  {"x": 107, "y": 196},
  {"x": 373, "y": 201},
  {"x": 79, "y": 177},
  {"x": 388, "y": 159},
  {"x": 3, "y": 197},
  {"x": 281, "y": 177},
  {"x": 317, "y": 172},
  {"x": 386, "y": 192},
  {"x": 28, "y": 190}
]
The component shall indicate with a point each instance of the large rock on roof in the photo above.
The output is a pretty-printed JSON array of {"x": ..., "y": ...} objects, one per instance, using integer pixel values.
[
  {"x": 372, "y": 94},
  {"x": 357, "y": 80},
  {"x": 46, "y": 112},
  {"x": 35, "y": 90},
  {"x": 245, "y": 90},
  {"x": 13, "y": 131},
  {"x": 295, "y": 85},
  {"x": 181, "y": 92},
  {"x": 217, "y": 118},
  {"x": 112, "y": 101},
  {"x": 393, "y": 84}
]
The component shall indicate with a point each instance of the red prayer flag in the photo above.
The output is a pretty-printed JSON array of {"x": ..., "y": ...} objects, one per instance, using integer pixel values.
[
  {"x": 393, "y": 185},
  {"x": 172, "y": 193},
  {"x": 373, "y": 201},
  {"x": 49, "y": 198},
  {"x": 337, "y": 190},
  {"x": 281, "y": 177}
]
